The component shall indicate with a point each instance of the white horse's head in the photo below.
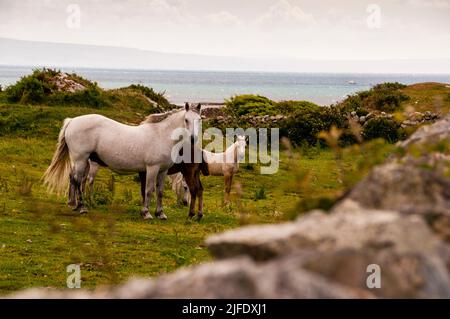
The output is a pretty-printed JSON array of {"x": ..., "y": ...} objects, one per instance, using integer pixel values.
[
  {"x": 240, "y": 144},
  {"x": 192, "y": 121}
]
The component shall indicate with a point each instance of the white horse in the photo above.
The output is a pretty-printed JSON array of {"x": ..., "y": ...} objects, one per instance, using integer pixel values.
[
  {"x": 123, "y": 148},
  {"x": 226, "y": 163}
]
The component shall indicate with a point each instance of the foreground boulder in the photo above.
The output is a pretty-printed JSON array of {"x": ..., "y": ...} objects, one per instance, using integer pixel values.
[
  {"x": 416, "y": 183},
  {"x": 234, "y": 278},
  {"x": 342, "y": 244}
]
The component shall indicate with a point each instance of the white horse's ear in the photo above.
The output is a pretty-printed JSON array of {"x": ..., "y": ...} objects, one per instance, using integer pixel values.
[
  {"x": 186, "y": 106},
  {"x": 199, "y": 106}
]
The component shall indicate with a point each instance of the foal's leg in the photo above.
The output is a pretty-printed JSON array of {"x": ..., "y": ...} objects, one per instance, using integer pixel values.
[
  {"x": 200, "y": 196},
  {"x": 93, "y": 170},
  {"x": 159, "y": 195},
  {"x": 85, "y": 176},
  {"x": 228, "y": 180},
  {"x": 152, "y": 172}
]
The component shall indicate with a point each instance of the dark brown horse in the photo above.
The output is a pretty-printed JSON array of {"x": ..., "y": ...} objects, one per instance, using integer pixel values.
[{"x": 191, "y": 173}]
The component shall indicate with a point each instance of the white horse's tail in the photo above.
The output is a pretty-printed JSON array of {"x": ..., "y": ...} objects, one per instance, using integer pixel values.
[{"x": 56, "y": 176}]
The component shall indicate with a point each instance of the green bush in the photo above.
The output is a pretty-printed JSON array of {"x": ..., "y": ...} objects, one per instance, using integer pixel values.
[
  {"x": 306, "y": 123},
  {"x": 382, "y": 127},
  {"x": 250, "y": 105},
  {"x": 385, "y": 97},
  {"x": 29, "y": 90},
  {"x": 91, "y": 97},
  {"x": 289, "y": 107},
  {"x": 388, "y": 101},
  {"x": 260, "y": 193},
  {"x": 39, "y": 88}
]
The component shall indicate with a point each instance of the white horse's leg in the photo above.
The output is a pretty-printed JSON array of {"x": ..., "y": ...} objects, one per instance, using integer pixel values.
[
  {"x": 152, "y": 172},
  {"x": 159, "y": 195},
  {"x": 72, "y": 196},
  {"x": 78, "y": 173}
]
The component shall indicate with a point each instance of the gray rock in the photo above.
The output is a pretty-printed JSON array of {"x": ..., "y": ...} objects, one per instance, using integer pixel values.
[
  {"x": 343, "y": 243},
  {"x": 233, "y": 278},
  {"x": 404, "y": 188},
  {"x": 429, "y": 134}
]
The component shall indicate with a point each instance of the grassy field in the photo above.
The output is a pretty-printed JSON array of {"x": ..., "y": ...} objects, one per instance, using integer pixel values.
[
  {"x": 430, "y": 96},
  {"x": 40, "y": 235}
]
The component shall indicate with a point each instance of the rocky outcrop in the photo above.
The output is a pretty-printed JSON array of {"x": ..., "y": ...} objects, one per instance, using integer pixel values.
[
  {"x": 429, "y": 134},
  {"x": 64, "y": 83},
  {"x": 410, "y": 118}
]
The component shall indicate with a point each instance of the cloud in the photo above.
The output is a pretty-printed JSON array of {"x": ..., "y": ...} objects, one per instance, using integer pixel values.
[
  {"x": 283, "y": 13},
  {"x": 224, "y": 18},
  {"x": 434, "y": 4}
]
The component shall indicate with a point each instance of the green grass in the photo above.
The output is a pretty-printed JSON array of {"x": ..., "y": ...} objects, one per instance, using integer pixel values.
[
  {"x": 112, "y": 241},
  {"x": 428, "y": 97},
  {"x": 40, "y": 235}
]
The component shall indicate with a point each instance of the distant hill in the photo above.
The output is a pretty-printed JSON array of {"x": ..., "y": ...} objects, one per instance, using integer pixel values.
[{"x": 30, "y": 53}]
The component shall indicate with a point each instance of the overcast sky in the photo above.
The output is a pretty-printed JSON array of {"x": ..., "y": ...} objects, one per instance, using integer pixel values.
[{"x": 319, "y": 29}]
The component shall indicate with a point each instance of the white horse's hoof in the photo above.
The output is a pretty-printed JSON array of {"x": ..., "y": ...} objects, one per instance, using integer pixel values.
[
  {"x": 161, "y": 216},
  {"x": 146, "y": 215},
  {"x": 83, "y": 210}
]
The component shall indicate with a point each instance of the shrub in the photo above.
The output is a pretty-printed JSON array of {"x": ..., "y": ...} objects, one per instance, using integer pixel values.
[
  {"x": 306, "y": 123},
  {"x": 387, "y": 101},
  {"x": 289, "y": 107},
  {"x": 40, "y": 88},
  {"x": 260, "y": 193},
  {"x": 89, "y": 97},
  {"x": 391, "y": 86},
  {"x": 250, "y": 105},
  {"x": 385, "y": 97},
  {"x": 382, "y": 127},
  {"x": 28, "y": 90}
]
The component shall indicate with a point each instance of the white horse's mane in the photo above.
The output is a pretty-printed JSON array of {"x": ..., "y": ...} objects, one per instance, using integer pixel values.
[{"x": 159, "y": 117}]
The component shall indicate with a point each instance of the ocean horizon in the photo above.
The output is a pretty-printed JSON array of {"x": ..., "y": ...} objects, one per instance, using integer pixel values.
[{"x": 216, "y": 86}]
